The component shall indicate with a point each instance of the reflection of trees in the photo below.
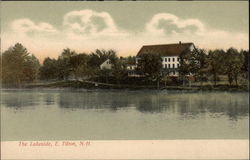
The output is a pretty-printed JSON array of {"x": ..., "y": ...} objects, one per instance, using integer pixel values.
[
  {"x": 49, "y": 99},
  {"x": 232, "y": 105},
  {"x": 93, "y": 100},
  {"x": 153, "y": 103},
  {"x": 18, "y": 99},
  {"x": 187, "y": 105},
  {"x": 190, "y": 105}
]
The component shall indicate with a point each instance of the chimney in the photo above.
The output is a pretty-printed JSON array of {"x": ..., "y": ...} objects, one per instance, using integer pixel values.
[{"x": 179, "y": 42}]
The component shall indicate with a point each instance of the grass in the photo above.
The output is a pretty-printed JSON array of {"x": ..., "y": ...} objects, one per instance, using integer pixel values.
[{"x": 93, "y": 85}]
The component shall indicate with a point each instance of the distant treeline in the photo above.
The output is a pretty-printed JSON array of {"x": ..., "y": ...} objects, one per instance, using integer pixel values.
[{"x": 18, "y": 66}]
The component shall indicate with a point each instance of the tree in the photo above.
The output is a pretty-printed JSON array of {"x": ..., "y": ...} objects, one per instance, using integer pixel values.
[
  {"x": 185, "y": 67},
  {"x": 198, "y": 64},
  {"x": 150, "y": 66},
  {"x": 245, "y": 63},
  {"x": 131, "y": 59},
  {"x": 119, "y": 70},
  {"x": 18, "y": 66},
  {"x": 63, "y": 62},
  {"x": 215, "y": 63},
  {"x": 232, "y": 65},
  {"x": 49, "y": 69},
  {"x": 78, "y": 64},
  {"x": 99, "y": 56},
  {"x": 31, "y": 68}
]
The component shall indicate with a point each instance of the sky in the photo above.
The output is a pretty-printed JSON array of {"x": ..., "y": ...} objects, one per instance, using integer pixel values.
[{"x": 46, "y": 28}]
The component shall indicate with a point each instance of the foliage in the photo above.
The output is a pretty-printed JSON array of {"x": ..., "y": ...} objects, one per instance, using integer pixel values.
[
  {"x": 232, "y": 65},
  {"x": 215, "y": 63},
  {"x": 245, "y": 63},
  {"x": 49, "y": 69},
  {"x": 99, "y": 56},
  {"x": 150, "y": 65},
  {"x": 64, "y": 65},
  {"x": 19, "y": 66},
  {"x": 119, "y": 70},
  {"x": 79, "y": 65}
]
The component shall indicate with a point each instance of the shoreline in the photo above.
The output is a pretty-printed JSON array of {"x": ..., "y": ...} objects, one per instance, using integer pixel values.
[{"x": 103, "y": 86}]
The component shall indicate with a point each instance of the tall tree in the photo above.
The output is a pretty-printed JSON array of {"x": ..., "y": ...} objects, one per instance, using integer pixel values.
[
  {"x": 197, "y": 62},
  {"x": 63, "y": 62},
  {"x": 99, "y": 56},
  {"x": 49, "y": 69},
  {"x": 18, "y": 65},
  {"x": 150, "y": 66},
  {"x": 185, "y": 67},
  {"x": 31, "y": 68},
  {"x": 215, "y": 63},
  {"x": 79, "y": 65},
  {"x": 119, "y": 70},
  {"x": 245, "y": 63},
  {"x": 232, "y": 65}
]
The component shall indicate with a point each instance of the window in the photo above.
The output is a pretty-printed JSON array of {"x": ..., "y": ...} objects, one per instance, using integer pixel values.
[
  {"x": 178, "y": 65},
  {"x": 166, "y": 66},
  {"x": 178, "y": 59},
  {"x": 166, "y": 59},
  {"x": 173, "y": 59},
  {"x": 169, "y": 66},
  {"x": 169, "y": 59},
  {"x": 173, "y": 66}
]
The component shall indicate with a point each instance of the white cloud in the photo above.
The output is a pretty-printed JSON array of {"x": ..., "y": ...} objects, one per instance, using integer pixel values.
[
  {"x": 168, "y": 28},
  {"x": 26, "y": 26},
  {"x": 172, "y": 24},
  {"x": 88, "y": 23},
  {"x": 86, "y": 30}
]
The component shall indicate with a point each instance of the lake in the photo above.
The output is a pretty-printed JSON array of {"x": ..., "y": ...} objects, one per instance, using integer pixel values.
[{"x": 60, "y": 114}]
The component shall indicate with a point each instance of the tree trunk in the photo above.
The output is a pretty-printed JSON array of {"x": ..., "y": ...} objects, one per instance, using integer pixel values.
[
  {"x": 158, "y": 85},
  {"x": 201, "y": 81},
  {"x": 183, "y": 84},
  {"x": 18, "y": 82},
  {"x": 236, "y": 80},
  {"x": 215, "y": 76}
]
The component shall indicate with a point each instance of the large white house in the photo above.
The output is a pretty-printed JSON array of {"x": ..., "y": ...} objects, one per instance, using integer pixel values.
[{"x": 170, "y": 54}]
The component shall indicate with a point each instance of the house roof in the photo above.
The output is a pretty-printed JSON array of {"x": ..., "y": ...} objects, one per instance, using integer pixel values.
[{"x": 165, "y": 49}]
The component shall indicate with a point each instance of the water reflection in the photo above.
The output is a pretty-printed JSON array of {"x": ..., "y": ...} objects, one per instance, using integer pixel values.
[
  {"x": 18, "y": 99},
  {"x": 234, "y": 105},
  {"x": 49, "y": 99}
]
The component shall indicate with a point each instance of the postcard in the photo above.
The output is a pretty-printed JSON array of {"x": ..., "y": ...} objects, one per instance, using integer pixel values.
[{"x": 124, "y": 80}]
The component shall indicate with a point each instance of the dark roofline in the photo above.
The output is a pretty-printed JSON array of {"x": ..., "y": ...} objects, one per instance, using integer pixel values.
[
  {"x": 159, "y": 45},
  {"x": 167, "y": 44}
]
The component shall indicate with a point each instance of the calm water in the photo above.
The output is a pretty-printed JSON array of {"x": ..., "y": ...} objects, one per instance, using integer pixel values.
[{"x": 74, "y": 115}]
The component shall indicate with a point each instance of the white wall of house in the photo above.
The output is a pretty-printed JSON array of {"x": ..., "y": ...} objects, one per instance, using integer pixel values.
[
  {"x": 191, "y": 48},
  {"x": 171, "y": 62},
  {"x": 131, "y": 67},
  {"x": 106, "y": 64}
]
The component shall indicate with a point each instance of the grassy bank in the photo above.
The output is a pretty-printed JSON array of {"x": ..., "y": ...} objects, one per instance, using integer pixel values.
[{"x": 95, "y": 85}]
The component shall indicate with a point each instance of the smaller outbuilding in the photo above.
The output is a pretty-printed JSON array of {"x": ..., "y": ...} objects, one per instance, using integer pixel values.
[{"x": 106, "y": 64}]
